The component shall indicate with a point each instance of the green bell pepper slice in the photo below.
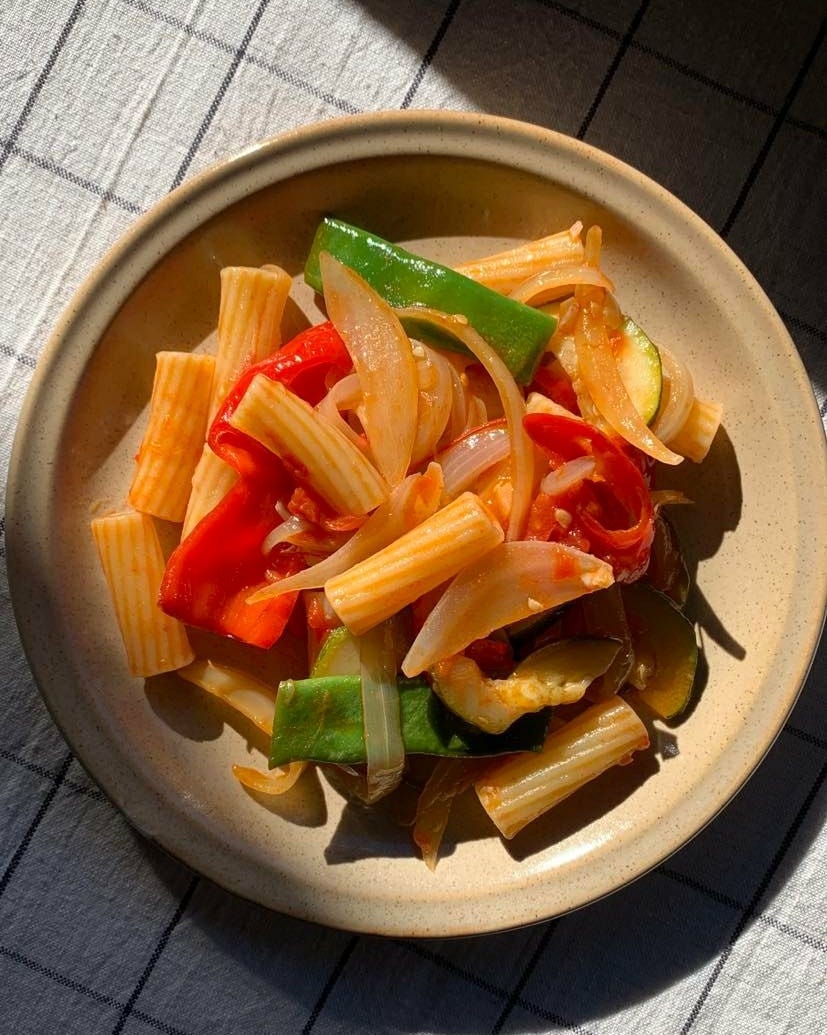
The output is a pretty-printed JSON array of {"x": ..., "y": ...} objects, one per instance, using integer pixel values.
[
  {"x": 320, "y": 720},
  {"x": 519, "y": 333}
]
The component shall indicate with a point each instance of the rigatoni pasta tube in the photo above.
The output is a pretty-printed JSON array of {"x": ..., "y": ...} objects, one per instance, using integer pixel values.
[
  {"x": 516, "y": 792},
  {"x": 133, "y": 564},
  {"x": 211, "y": 481},
  {"x": 249, "y": 330},
  {"x": 695, "y": 436},
  {"x": 505, "y": 270},
  {"x": 249, "y": 322},
  {"x": 309, "y": 445},
  {"x": 414, "y": 564},
  {"x": 174, "y": 436}
]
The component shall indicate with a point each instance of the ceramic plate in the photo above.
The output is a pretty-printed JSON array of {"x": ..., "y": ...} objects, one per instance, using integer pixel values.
[{"x": 457, "y": 186}]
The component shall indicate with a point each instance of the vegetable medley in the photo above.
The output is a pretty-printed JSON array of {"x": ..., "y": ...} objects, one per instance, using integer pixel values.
[{"x": 446, "y": 490}]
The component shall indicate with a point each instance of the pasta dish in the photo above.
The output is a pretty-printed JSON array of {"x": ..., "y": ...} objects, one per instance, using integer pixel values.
[{"x": 447, "y": 491}]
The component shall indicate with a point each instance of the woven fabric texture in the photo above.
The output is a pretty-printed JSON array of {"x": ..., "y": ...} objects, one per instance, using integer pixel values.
[{"x": 106, "y": 105}]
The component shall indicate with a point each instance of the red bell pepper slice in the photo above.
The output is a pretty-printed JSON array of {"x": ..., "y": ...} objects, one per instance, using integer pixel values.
[
  {"x": 210, "y": 575},
  {"x": 612, "y": 512}
]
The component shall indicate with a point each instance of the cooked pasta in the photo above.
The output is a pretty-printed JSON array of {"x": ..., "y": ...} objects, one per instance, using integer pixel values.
[
  {"x": 417, "y": 562},
  {"x": 516, "y": 792},
  {"x": 286, "y": 425},
  {"x": 447, "y": 487},
  {"x": 133, "y": 565},
  {"x": 173, "y": 440}
]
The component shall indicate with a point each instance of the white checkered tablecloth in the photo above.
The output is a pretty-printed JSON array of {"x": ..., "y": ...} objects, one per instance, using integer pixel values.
[{"x": 107, "y": 104}]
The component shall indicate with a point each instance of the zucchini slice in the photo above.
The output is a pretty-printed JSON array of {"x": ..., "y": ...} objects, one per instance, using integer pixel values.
[
  {"x": 558, "y": 673},
  {"x": 638, "y": 362},
  {"x": 666, "y": 651}
]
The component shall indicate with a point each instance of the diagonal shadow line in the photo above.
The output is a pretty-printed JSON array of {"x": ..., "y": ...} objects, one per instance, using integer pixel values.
[
  {"x": 528, "y": 970},
  {"x": 780, "y": 118},
  {"x": 156, "y": 955},
  {"x": 613, "y": 67},
  {"x": 751, "y": 909},
  {"x": 90, "y": 993},
  {"x": 219, "y": 97},
  {"x": 15, "y": 860},
  {"x": 430, "y": 53},
  {"x": 329, "y": 985},
  {"x": 40, "y": 82}
]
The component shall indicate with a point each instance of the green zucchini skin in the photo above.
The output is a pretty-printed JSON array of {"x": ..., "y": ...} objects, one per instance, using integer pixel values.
[
  {"x": 663, "y": 635},
  {"x": 640, "y": 370}
]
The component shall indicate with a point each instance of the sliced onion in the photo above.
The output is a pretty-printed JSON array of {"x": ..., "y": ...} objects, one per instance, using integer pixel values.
[
  {"x": 408, "y": 505},
  {"x": 435, "y": 403},
  {"x": 477, "y": 413},
  {"x": 597, "y": 365},
  {"x": 667, "y": 497},
  {"x": 384, "y": 747},
  {"x": 558, "y": 281},
  {"x": 344, "y": 395},
  {"x": 449, "y": 778},
  {"x": 522, "y": 449},
  {"x": 679, "y": 391},
  {"x": 568, "y": 475},
  {"x": 249, "y": 696},
  {"x": 276, "y": 781},
  {"x": 511, "y": 582},
  {"x": 459, "y": 407},
  {"x": 384, "y": 362},
  {"x": 286, "y": 532},
  {"x": 473, "y": 454}
]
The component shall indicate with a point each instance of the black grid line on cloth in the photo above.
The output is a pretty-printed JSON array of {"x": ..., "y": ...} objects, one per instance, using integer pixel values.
[
  {"x": 802, "y": 325},
  {"x": 156, "y": 955},
  {"x": 430, "y": 53},
  {"x": 807, "y": 127},
  {"x": 329, "y": 985},
  {"x": 696, "y": 885},
  {"x": 229, "y": 75},
  {"x": 57, "y": 977},
  {"x": 675, "y": 65},
  {"x": 47, "y": 165},
  {"x": 250, "y": 59},
  {"x": 808, "y": 738},
  {"x": 528, "y": 970},
  {"x": 15, "y": 860},
  {"x": 158, "y": 1025},
  {"x": 751, "y": 910},
  {"x": 554, "y": 1018},
  {"x": 452, "y": 968},
  {"x": 580, "y": 18},
  {"x": 576, "y": 16},
  {"x": 793, "y": 932},
  {"x": 19, "y": 357},
  {"x": 40, "y": 82},
  {"x": 527, "y": 1004},
  {"x": 302, "y": 84},
  {"x": 613, "y": 67},
  {"x": 758, "y": 164},
  {"x": 49, "y": 774},
  {"x": 90, "y": 993}
]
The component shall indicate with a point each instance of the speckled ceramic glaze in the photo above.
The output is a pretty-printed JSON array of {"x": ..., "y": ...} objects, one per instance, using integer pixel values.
[{"x": 457, "y": 185}]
